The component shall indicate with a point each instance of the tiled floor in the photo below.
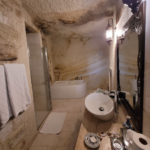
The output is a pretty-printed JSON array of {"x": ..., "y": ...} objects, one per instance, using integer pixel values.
[
  {"x": 40, "y": 117},
  {"x": 66, "y": 140}
]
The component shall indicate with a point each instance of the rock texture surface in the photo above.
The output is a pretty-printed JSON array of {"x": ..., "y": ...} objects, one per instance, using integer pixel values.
[
  {"x": 82, "y": 49},
  {"x": 73, "y": 27},
  {"x": 62, "y": 18},
  {"x": 86, "y": 57},
  {"x": 9, "y": 37},
  {"x": 20, "y": 131}
]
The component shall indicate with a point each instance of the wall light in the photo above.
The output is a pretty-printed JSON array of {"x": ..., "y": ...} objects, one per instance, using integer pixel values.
[
  {"x": 120, "y": 35},
  {"x": 109, "y": 31}
]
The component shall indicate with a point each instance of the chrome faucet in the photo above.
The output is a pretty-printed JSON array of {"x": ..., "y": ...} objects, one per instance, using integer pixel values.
[
  {"x": 115, "y": 95},
  {"x": 76, "y": 78}
]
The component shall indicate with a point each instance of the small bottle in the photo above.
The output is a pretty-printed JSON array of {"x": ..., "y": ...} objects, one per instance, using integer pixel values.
[{"x": 127, "y": 124}]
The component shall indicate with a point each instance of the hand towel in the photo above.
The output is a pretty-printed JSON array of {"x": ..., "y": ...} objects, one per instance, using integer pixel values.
[
  {"x": 5, "y": 109},
  {"x": 18, "y": 89}
]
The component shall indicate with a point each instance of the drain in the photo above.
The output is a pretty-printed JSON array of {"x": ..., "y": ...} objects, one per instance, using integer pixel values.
[{"x": 101, "y": 108}]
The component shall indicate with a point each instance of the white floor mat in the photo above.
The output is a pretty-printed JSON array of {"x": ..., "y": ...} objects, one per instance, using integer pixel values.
[{"x": 53, "y": 123}]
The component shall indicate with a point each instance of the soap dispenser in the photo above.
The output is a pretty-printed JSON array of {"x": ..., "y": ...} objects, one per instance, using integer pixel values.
[{"x": 127, "y": 124}]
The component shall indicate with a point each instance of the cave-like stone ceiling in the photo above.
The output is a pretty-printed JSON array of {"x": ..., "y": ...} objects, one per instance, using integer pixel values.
[{"x": 73, "y": 18}]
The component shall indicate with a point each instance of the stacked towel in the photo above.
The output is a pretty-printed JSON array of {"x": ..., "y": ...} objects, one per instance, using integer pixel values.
[
  {"x": 17, "y": 87},
  {"x": 99, "y": 91},
  {"x": 5, "y": 109}
]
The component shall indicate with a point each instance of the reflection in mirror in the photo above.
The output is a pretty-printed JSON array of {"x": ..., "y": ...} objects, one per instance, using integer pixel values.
[{"x": 128, "y": 54}]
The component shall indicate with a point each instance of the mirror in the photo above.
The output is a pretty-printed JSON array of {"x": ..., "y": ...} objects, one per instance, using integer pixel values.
[
  {"x": 128, "y": 54},
  {"x": 130, "y": 67}
]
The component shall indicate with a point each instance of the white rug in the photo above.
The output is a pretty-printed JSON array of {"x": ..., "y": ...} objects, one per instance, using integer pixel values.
[{"x": 53, "y": 123}]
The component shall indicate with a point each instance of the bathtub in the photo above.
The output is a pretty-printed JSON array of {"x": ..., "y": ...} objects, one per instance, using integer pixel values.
[{"x": 68, "y": 89}]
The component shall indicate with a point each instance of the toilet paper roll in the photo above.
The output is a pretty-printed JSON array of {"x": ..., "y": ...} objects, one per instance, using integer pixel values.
[
  {"x": 128, "y": 139},
  {"x": 140, "y": 142},
  {"x": 130, "y": 134}
]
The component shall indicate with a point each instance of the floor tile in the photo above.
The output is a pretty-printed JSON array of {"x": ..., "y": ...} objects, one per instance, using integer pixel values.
[
  {"x": 80, "y": 116},
  {"x": 60, "y": 148},
  {"x": 67, "y": 139},
  {"x": 38, "y": 148},
  {"x": 75, "y": 109},
  {"x": 70, "y": 109},
  {"x": 71, "y": 116},
  {"x": 45, "y": 140},
  {"x": 40, "y": 117},
  {"x": 71, "y": 123},
  {"x": 51, "y": 148},
  {"x": 61, "y": 102},
  {"x": 76, "y": 103},
  {"x": 71, "y": 126}
]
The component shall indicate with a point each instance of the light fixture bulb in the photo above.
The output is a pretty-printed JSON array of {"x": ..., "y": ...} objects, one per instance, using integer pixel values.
[
  {"x": 109, "y": 34},
  {"x": 120, "y": 33}
]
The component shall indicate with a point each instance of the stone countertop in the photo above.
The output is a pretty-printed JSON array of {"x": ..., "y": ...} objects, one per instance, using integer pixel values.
[{"x": 94, "y": 125}]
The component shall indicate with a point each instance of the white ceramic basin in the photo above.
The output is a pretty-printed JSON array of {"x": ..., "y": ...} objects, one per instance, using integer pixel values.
[{"x": 100, "y": 105}]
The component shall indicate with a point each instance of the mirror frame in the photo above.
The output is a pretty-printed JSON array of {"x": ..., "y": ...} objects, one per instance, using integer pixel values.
[{"x": 138, "y": 20}]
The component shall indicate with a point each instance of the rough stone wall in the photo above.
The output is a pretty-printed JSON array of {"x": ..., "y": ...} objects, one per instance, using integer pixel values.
[
  {"x": 75, "y": 19},
  {"x": 19, "y": 132},
  {"x": 86, "y": 57},
  {"x": 29, "y": 22},
  {"x": 9, "y": 37},
  {"x": 61, "y": 18}
]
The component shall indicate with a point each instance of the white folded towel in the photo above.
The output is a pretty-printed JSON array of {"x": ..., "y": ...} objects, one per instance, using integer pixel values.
[
  {"x": 18, "y": 89},
  {"x": 5, "y": 109}
]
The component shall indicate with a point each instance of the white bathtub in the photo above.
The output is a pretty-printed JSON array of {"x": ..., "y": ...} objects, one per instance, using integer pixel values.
[{"x": 68, "y": 89}]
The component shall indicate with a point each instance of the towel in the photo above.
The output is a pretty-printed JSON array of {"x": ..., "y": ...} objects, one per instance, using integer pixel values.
[
  {"x": 5, "y": 109},
  {"x": 99, "y": 91},
  {"x": 18, "y": 90}
]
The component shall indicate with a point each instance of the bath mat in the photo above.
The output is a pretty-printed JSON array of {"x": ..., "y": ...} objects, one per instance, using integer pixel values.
[{"x": 53, "y": 123}]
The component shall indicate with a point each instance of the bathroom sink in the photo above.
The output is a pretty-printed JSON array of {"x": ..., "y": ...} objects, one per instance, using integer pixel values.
[{"x": 100, "y": 105}]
